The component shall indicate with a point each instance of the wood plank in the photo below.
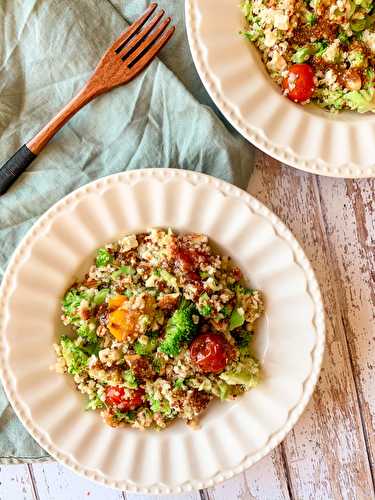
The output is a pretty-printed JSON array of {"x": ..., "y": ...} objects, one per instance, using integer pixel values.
[
  {"x": 55, "y": 482},
  {"x": 15, "y": 483},
  {"x": 265, "y": 480},
  {"x": 326, "y": 451},
  {"x": 348, "y": 209}
]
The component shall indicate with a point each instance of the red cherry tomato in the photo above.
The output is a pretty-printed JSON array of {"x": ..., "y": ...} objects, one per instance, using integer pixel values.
[
  {"x": 119, "y": 397},
  {"x": 211, "y": 352},
  {"x": 299, "y": 85}
]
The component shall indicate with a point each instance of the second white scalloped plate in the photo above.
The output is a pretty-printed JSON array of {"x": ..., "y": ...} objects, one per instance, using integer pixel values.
[
  {"x": 231, "y": 69},
  {"x": 233, "y": 435}
]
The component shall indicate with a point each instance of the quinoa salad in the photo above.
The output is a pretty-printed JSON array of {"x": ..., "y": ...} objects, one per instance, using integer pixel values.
[
  {"x": 321, "y": 51},
  {"x": 158, "y": 327}
]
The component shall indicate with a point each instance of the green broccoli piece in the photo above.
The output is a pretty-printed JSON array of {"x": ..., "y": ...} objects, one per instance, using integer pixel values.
[
  {"x": 87, "y": 333},
  {"x": 204, "y": 308},
  {"x": 129, "y": 379},
  {"x": 94, "y": 403},
  {"x": 179, "y": 384},
  {"x": 343, "y": 37},
  {"x": 361, "y": 100},
  {"x": 146, "y": 349},
  {"x": 246, "y": 372},
  {"x": 243, "y": 339},
  {"x": 180, "y": 328},
  {"x": 75, "y": 358},
  {"x": 128, "y": 416},
  {"x": 103, "y": 257},
  {"x": 310, "y": 18},
  {"x": 71, "y": 303},
  {"x": 160, "y": 406}
]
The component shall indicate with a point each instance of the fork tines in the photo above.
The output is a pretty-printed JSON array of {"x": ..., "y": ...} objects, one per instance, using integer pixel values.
[{"x": 142, "y": 40}]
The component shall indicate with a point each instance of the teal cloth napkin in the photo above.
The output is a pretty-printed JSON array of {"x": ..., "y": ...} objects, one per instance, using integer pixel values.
[{"x": 164, "y": 118}]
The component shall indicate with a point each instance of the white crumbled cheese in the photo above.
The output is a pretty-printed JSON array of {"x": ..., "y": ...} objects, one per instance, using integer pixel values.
[
  {"x": 369, "y": 39},
  {"x": 280, "y": 20},
  {"x": 332, "y": 51},
  {"x": 128, "y": 243},
  {"x": 277, "y": 63},
  {"x": 270, "y": 37}
]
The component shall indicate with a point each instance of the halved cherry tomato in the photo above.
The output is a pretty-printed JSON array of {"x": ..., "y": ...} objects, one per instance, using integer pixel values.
[
  {"x": 211, "y": 352},
  {"x": 299, "y": 85},
  {"x": 119, "y": 397}
]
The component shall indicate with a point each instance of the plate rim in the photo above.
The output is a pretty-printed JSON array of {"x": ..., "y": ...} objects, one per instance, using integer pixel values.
[
  {"x": 348, "y": 170},
  {"x": 228, "y": 190}
]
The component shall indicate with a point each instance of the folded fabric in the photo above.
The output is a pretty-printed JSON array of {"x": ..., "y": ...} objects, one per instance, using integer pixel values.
[{"x": 48, "y": 49}]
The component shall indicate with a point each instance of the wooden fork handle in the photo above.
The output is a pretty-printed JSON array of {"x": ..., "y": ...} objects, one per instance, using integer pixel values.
[{"x": 18, "y": 163}]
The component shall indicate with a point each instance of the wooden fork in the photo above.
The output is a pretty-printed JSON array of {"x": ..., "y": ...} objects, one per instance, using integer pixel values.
[{"x": 126, "y": 58}]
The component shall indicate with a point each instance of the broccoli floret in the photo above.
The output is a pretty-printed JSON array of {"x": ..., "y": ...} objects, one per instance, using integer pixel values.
[
  {"x": 148, "y": 348},
  {"x": 71, "y": 303},
  {"x": 128, "y": 416},
  {"x": 204, "y": 307},
  {"x": 103, "y": 257},
  {"x": 180, "y": 328},
  {"x": 310, "y": 18},
  {"x": 87, "y": 333},
  {"x": 129, "y": 379},
  {"x": 246, "y": 372},
  {"x": 94, "y": 403},
  {"x": 75, "y": 358},
  {"x": 243, "y": 339},
  {"x": 160, "y": 406},
  {"x": 179, "y": 384}
]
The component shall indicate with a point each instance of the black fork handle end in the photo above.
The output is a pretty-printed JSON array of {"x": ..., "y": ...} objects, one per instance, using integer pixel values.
[{"x": 14, "y": 167}]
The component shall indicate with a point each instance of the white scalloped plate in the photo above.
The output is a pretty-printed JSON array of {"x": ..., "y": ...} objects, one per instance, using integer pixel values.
[
  {"x": 233, "y": 435},
  {"x": 231, "y": 69}
]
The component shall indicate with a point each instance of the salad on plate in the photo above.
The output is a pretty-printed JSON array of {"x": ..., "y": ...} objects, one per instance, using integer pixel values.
[
  {"x": 320, "y": 51},
  {"x": 159, "y": 326}
]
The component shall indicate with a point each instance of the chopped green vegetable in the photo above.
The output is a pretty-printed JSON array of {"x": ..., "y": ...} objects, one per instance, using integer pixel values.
[
  {"x": 94, "y": 403},
  {"x": 86, "y": 332},
  {"x": 75, "y": 358},
  {"x": 180, "y": 328},
  {"x": 243, "y": 339},
  {"x": 301, "y": 55},
  {"x": 204, "y": 308},
  {"x": 128, "y": 416},
  {"x": 129, "y": 379},
  {"x": 148, "y": 348},
  {"x": 179, "y": 384},
  {"x": 101, "y": 296},
  {"x": 310, "y": 18},
  {"x": 246, "y": 373},
  {"x": 127, "y": 270},
  {"x": 237, "y": 319},
  {"x": 71, "y": 303},
  {"x": 103, "y": 257}
]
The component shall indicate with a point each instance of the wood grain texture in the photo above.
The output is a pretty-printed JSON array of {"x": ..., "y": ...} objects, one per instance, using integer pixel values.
[
  {"x": 15, "y": 483},
  {"x": 326, "y": 452},
  {"x": 330, "y": 453},
  {"x": 54, "y": 482}
]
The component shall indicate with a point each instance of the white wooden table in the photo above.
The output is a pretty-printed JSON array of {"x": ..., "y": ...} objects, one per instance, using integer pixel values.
[{"x": 330, "y": 453}]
